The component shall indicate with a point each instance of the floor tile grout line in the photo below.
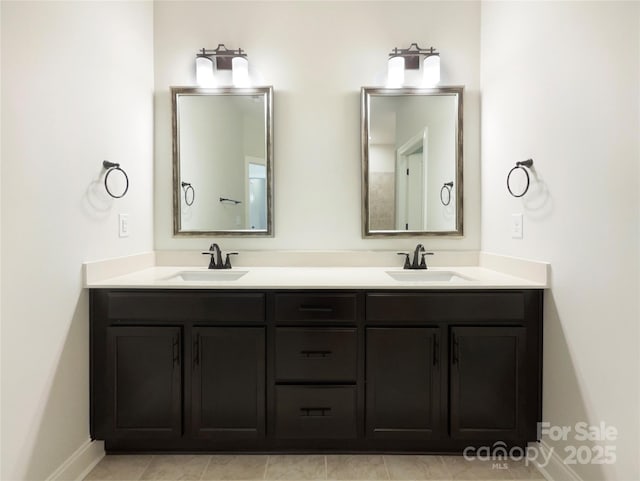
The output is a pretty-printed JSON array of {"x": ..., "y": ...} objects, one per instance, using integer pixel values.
[
  {"x": 326, "y": 467},
  {"x": 446, "y": 468},
  {"x": 386, "y": 468},
  {"x": 146, "y": 467},
  {"x": 204, "y": 471},
  {"x": 266, "y": 467}
]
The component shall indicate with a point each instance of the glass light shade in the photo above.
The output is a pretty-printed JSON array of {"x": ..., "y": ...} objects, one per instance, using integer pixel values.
[
  {"x": 204, "y": 72},
  {"x": 431, "y": 70},
  {"x": 395, "y": 72},
  {"x": 240, "y": 72}
]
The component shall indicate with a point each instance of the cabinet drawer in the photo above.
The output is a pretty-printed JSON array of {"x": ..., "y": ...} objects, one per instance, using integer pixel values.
[
  {"x": 320, "y": 412},
  {"x": 315, "y": 307},
  {"x": 316, "y": 354},
  {"x": 446, "y": 306},
  {"x": 181, "y": 306}
]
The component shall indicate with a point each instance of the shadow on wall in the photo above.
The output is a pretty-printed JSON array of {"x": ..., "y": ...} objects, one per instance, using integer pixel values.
[
  {"x": 53, "y": 443},
  {"x": 96, "y": 202},
  {"x": 561, "y": 380},
  {"x": 538, "y": 201}
]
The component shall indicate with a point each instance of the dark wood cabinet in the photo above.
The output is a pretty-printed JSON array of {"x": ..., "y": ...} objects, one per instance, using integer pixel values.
[
  {"x": 299, "y": 370},
  {"x": 488, "y": 381},
  {"x": 144, "y": 384},
  {"x": 403, "y": 383},
  {"x": 228, "y": 383}
]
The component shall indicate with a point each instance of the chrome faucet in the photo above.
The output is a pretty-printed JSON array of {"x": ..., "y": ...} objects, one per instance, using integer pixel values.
[
  {"x": 418, "y": 261},
  {"x": 216, "y": 257}
]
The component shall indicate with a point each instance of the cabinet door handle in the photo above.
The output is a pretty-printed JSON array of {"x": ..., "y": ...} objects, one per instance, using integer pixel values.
[
  {"x": 315, "y": 354},
  {"x": 456, "y": 348},
  {"x": 196, "y": 350},
  {"x": 436, "y": 349},
  {"x": 305, "y": 308},
  {"x": 315, "y": 412},
  {"x": 176, "y": 350}
]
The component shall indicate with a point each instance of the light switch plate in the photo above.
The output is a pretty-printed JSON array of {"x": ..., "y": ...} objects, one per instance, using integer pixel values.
[
  {"x": 516, "y": 226},
  {"x": 123, "y": 225}
]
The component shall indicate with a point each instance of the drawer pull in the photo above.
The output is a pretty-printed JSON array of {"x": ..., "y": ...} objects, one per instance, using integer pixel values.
[
  {"x": 315, "y": 354},
  {"x": 305, "y": 308},
  {"x": 315, "y": 412}
]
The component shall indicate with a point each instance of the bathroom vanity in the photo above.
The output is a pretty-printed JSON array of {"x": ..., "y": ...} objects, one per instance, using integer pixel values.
[{"x": 414, "y": 368}]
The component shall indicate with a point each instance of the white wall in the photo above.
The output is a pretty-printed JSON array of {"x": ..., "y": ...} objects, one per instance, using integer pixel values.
[
  {"x": 317, "y": 55},
  {"x": 560, "y": 83},
  {"x": 77, "y": 83}
]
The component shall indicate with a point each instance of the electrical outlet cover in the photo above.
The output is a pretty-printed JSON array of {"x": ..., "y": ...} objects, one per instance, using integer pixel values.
[{"x": 516, "y": 226}]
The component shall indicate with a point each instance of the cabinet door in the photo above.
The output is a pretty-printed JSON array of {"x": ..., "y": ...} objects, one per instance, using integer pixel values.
[
  {"x": 228, "y": 383},
  {"x": 488, "y": 382},
  {"x": 403, "y": 383},
  {"x": 144, "y": 381}
]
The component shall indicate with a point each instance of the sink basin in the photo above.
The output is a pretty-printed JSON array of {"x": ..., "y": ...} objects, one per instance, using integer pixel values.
[
  {"x": 426, "y": 276},
  {"x": 210, "y": 275}
]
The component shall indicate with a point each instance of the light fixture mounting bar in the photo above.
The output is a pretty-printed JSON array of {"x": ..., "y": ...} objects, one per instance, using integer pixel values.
[
  {"x": 221, "y": 55},
  {"x": 412, "y": 55}
]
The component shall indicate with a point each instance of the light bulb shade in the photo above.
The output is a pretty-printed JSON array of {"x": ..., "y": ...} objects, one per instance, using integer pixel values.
[
  {"x": 240, "y": 72},
  {"x": 431, "y": 70},
  {"x": 395, "y": 72},
  {"x": 204, "y": 72}
]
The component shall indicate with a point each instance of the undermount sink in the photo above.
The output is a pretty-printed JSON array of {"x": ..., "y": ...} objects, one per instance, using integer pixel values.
[
  {"x": 209, "y": 275},
  {"x": 426, "y": 276}
]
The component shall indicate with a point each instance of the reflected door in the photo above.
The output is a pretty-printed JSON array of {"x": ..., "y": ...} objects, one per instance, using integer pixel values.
[{"x": 257, "y": 196}]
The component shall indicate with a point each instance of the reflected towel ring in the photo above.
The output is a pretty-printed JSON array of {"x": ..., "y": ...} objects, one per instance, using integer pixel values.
[
  {"x": 520, "y": 165},
  {"x": 112, "y": 166},
  {"x": 446, "y": 187},
  {"x": 186, "y": 186}
]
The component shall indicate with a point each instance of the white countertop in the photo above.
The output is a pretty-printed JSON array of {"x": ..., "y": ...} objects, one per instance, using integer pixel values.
[{"x": 166, "y": 277}]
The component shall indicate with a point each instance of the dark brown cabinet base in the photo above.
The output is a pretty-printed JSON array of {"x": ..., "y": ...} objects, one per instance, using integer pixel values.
[{"x": 308, "y": 371}]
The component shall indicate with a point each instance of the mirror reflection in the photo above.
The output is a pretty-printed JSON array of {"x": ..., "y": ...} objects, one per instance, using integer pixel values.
[
  {"x": 222, "y": 148},
  {"x": 412, "y": 161}
]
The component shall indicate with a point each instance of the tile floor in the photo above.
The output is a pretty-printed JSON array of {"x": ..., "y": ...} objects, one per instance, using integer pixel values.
[{"x": 372, "y": 467}]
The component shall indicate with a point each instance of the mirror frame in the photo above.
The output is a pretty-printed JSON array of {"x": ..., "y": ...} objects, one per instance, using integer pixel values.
[
  {"x": 177, "y": 195},
  {"x": 365, "y": 97}
]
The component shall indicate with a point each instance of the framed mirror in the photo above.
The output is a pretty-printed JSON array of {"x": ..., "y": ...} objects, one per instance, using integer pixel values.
[
  {"x": 411, "y": 161},
  {"x": 222, "y": 161}
]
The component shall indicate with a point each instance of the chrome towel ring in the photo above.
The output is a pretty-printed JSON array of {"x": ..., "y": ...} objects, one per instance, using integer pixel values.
[
  {"x": 446, "y": 187},
  {"x": 111, "y": 167},
  {"x": 187, "y": 187},
  {"x": 520, "y": 166}
]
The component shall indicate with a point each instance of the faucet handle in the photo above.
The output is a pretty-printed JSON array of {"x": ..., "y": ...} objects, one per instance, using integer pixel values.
[
  {"x": 423, "y": 263},
  {"x": 227, "y": 262},
  {"x": 212, "y": 261},
  {"x": 407, "y": 262}
]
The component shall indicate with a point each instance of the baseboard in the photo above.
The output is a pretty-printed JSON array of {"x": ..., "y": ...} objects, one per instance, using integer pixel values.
[
  {"x": 80, "y": 463},
  {"x": 556, "y": 469}
]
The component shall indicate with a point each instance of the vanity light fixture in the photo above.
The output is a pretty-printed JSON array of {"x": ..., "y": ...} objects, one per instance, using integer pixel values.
[
  {"x": 205, "y": 76},
  {"x": 210, "y": 62},
  {"x": 395, "y": 75},
  {"x": 410, "y": 59}
]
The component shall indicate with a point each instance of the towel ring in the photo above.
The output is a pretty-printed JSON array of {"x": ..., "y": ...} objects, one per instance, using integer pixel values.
[
  {"x": 186, "y": 186},
  {"x": 446, "y": 187},
  {"x": 520, "y": 166},
  {"x": 111, "y": 167}
]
